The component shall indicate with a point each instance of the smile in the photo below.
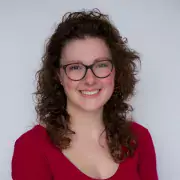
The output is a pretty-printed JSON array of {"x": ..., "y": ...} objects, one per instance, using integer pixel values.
[{"x": 90, "y": 92}]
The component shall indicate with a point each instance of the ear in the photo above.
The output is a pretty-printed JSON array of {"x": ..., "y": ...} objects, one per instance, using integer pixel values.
[{"x": 59, "y": 76}]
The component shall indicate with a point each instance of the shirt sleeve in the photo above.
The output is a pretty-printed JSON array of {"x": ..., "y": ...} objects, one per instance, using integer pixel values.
[
  {"x": 29, "y": 163},
  {"x": 147, "y": 157}
]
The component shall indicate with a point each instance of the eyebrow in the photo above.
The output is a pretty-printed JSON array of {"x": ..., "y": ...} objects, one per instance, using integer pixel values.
[{"x": 95, "y": 60}]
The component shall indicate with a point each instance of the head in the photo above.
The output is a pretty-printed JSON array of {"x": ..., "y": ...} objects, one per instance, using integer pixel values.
[
  {"x": 86, "y": 74},
  {"x": 87, "y": 66}
]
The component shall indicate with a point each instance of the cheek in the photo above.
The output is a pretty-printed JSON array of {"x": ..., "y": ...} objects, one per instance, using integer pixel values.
[
  {"x": 109, "y": 81},
  {"x": 66, "y": 82},
  {"x": 69, "y": 85}
]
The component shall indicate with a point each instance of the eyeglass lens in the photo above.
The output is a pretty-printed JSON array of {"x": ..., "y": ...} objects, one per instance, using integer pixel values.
[{"x": 77, "y": 71}]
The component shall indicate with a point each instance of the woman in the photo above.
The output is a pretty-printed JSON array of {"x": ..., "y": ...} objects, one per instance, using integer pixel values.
[{"x": 84, "y": 131}]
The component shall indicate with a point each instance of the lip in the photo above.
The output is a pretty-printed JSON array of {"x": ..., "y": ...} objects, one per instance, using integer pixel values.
[
  {"x": 90, "y": 89},
  {"x": 90, "y": 96}
]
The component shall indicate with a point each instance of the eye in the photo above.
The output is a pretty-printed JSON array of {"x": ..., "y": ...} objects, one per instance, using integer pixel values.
[
  {"x": 74, "y": 67},
  {"x": 103, "y": 64}
]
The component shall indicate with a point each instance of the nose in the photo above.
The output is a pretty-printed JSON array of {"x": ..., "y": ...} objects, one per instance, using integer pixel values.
[{"x": 90, "y": 77}]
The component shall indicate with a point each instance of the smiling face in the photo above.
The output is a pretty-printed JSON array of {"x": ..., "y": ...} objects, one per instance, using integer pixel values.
[{"x": 90, "y": 93}]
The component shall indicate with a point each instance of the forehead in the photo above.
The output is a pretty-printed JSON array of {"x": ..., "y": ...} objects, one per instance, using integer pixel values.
[{"x": 85, "y": 50}]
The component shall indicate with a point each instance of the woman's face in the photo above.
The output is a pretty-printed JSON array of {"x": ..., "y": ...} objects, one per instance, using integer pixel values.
[{"x": 90, "y": 93}]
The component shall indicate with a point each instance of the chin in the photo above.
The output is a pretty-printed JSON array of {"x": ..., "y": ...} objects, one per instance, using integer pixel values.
[
  {"x": 89, "y": 103},
  {"x": 91, "y": 107}
]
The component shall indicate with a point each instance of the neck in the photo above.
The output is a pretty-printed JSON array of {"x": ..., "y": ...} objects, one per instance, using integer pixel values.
[{"x": 86, "y": 123}]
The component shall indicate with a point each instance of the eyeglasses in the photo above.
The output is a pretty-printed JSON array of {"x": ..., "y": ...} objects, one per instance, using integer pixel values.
[{"x": 77, "y": 71}]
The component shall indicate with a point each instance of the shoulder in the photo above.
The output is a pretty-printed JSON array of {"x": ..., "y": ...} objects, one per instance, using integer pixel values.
[
  {"x": 138, "y": 129},
  {"x": 145, "y": 152},
  {"x": 36, "y": 137},
  {"x": 29, "y": 160},
  {"x": 143, "y": 136}
]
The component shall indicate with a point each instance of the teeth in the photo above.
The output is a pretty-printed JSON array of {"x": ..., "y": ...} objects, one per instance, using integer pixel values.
[{"x": 90, "y": 92}]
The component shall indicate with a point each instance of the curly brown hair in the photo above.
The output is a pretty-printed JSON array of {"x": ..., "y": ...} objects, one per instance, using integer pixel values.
[{"x": 50, "y": 95}]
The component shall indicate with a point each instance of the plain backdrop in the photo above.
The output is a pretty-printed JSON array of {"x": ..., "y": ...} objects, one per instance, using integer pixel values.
[{"x": 152, "y": 28}]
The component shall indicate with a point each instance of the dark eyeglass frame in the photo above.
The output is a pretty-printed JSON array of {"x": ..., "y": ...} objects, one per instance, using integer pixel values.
[{"x": 86, "y": 68}]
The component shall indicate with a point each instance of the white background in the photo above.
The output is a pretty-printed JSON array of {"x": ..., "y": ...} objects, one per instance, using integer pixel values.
[{"x": 152, "y": 28}]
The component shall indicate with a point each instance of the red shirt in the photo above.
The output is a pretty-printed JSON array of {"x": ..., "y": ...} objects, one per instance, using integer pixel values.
[{"x": 36, "y": 158}]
